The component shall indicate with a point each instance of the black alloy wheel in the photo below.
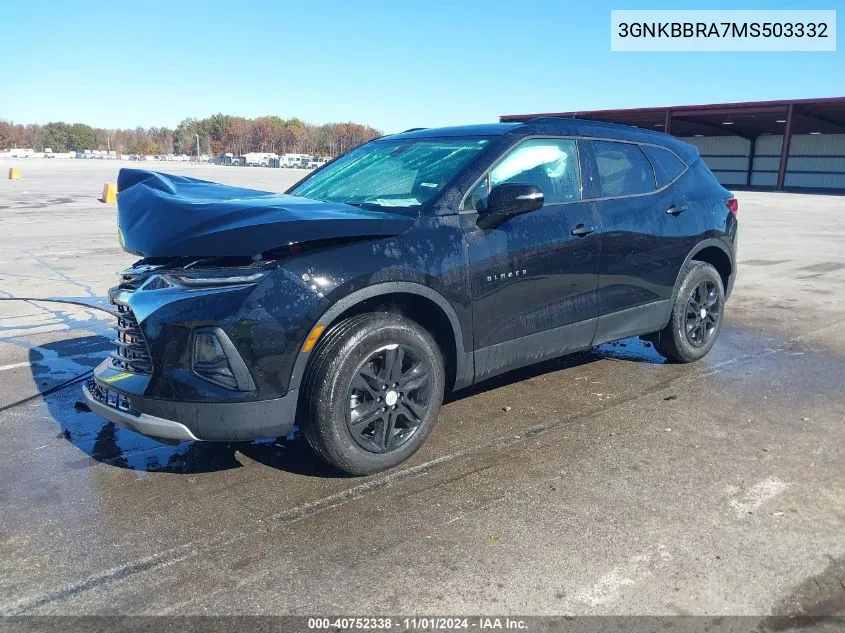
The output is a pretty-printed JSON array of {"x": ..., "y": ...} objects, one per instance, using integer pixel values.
[
  {"x": 388, "y": 398},
  {"x": 371, "y": 392},
  {"x": 703, "y": 313},
  {"x": 697, "y": 315}
]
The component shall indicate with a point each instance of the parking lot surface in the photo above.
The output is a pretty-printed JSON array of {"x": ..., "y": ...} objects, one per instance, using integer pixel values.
[{"x": 607, "y": 482}]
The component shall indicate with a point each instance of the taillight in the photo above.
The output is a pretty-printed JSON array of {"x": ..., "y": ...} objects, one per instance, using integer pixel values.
[{"x": 733, "y": 205}]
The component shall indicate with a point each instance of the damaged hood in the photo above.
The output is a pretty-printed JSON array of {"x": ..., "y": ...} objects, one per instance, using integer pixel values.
[{"x": 162, "y": 215}]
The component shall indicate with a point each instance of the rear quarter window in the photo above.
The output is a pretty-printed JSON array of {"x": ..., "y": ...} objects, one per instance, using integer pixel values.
[
  {"x": 667, "y": 166},
  {"x": 623, "y": 169}
]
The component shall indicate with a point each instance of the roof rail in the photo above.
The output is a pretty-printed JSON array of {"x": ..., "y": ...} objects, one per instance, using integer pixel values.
[
  {"x": 413, "y": 129},
  {"x": 579, "y": 117},
  {"x": 550, "y": 119}
]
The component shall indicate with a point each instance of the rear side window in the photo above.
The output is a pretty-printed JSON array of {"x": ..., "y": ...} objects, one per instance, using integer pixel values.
[
  {"x": 623, "y": 169},
  {"x": 667, "y": 166}
]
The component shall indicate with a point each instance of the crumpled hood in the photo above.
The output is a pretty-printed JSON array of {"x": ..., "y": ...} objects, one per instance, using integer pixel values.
[{"x": 162, "y": 215}]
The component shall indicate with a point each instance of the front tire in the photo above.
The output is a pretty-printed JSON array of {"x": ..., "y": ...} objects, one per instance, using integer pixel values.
[
  {"x": 372, "y": 392},
  {"x": 697, "y": 315}
]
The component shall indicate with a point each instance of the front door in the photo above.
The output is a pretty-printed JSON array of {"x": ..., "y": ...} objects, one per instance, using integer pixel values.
[{"x": 534, "y": 276}]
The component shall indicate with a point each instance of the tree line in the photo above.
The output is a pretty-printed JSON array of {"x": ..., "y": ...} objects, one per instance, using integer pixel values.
[{"x": 217, "y": 134}]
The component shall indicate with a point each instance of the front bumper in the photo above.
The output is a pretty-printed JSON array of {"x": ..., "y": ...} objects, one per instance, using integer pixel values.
[
  {"x": 179, "y": 420},
  {"x": 141, "y": 422},
  {"x": 149, "y": 383}
]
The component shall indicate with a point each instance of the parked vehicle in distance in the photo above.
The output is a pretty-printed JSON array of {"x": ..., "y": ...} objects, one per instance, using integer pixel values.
[
  {"x": 416, "y": 264},
  {"x": 257, "y": 159},
  {"x": 317, "y": 162},
  {"x": 293, "y": 161}
]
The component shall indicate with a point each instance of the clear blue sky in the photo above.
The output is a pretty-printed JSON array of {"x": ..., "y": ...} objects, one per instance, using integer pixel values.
[{"x": 391, "y": 64}]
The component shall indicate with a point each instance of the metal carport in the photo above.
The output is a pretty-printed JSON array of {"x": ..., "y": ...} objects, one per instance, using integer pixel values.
[{"x": 798, "y": 143}]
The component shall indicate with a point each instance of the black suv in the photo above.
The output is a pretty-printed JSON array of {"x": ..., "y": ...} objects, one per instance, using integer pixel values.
[{"x": 419, "y": 262}]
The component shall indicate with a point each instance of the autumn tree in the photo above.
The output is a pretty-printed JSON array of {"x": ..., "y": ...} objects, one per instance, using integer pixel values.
[
  {"x": 218, "y": 134},
  {"x": 237, "y": 134},
  {"x": 164, "y": 139},
  {"x": 34, "y": 134},
  {"x": 261, "y": 132},
  {"x": 12, "y": 135}
]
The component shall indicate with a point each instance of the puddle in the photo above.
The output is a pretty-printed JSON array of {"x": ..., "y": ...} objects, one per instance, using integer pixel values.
[
  {"x": 632, "y": 349},
  {"x": 826, "y": 267},
  {"x": 764, "y": 262}
]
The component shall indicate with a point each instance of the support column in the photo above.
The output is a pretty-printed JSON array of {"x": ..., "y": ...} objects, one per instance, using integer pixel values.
[
  {"x": 751, "y": 151},
  {"x": 784, "y": 148},
  {"x": 667, "y": 125}
]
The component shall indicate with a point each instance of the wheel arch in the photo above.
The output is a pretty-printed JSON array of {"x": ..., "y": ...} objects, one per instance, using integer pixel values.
[
  {"x": 415, "y": 301},
  {"x": 714, "y": 252}
]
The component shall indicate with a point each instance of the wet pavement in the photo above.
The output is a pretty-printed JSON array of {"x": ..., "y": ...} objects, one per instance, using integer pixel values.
[{"x": 608, "y": 482}]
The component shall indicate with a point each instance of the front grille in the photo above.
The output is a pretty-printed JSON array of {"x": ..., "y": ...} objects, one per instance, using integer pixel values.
[{"x": 132, "y": 353}]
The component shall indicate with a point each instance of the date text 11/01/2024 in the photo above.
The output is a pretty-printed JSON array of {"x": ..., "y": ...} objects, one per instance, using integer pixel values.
[{"x": 413, "y": 624}]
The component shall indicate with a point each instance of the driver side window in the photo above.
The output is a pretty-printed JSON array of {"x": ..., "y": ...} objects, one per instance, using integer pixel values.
[
  {"x": 477, "y": 199},
  {"x": 550, "y": 164}
]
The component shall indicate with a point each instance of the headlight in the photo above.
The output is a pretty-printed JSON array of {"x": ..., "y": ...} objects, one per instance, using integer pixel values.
[{"x": 221, "y": 277}]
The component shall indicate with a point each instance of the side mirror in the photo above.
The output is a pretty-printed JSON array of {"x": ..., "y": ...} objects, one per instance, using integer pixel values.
[{"x": 509, "y": 199}]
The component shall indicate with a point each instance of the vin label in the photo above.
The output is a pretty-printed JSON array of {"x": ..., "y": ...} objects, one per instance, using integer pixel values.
[{"x": 706, "y": 30}]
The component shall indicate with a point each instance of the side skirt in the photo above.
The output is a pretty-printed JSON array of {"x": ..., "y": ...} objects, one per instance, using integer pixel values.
[
  {"x": 644, "y": 319},
  {"x": 534, "y": 348}
]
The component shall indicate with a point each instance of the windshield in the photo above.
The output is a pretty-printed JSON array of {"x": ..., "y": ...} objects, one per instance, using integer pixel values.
[{"x": 392, "y": 174}]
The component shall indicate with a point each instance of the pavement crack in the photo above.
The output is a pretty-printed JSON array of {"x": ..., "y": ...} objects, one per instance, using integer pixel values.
[
  {"x": 107, "y": 577},
  {"x": 44, "y": 263}
]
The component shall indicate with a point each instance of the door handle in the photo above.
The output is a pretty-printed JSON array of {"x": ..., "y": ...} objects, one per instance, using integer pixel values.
[
  {"x": 582, "y": 229},
  {"x": 673, "y": 210}
]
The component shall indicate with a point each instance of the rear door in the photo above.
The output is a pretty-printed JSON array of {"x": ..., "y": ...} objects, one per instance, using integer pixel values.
[
  {"x": 533, "y": 281},
  {"x": 641, "y": 244}
]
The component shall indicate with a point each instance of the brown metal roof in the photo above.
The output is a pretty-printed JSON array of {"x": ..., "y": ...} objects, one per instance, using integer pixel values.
[{"x": 748, "y": 119}]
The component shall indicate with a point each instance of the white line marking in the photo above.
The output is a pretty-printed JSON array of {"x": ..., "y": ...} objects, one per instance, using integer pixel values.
[
  {"x": 52, "y": 362},
  {"x": 15, "y": 365},
  {"x": 605, "y": 589},
  {"x": 39, "y": 329},
  {"x": 757, "y": 495},
  {"x": 609, "y": 587}
]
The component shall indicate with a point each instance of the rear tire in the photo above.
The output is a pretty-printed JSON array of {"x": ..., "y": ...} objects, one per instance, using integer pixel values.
[
  {"x": 372, "y": 392},
  {"x": 697, "y": 315}
]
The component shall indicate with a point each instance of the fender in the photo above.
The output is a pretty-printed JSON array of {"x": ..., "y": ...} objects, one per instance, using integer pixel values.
[
  {"x": 711, "y": 241},
  {"x": 464, "y": 366}
]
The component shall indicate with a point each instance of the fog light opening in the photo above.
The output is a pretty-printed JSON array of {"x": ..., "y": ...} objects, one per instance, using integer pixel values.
[
  {"x": 210, "y": 361},
  {"x": 207, "y": 349}
]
